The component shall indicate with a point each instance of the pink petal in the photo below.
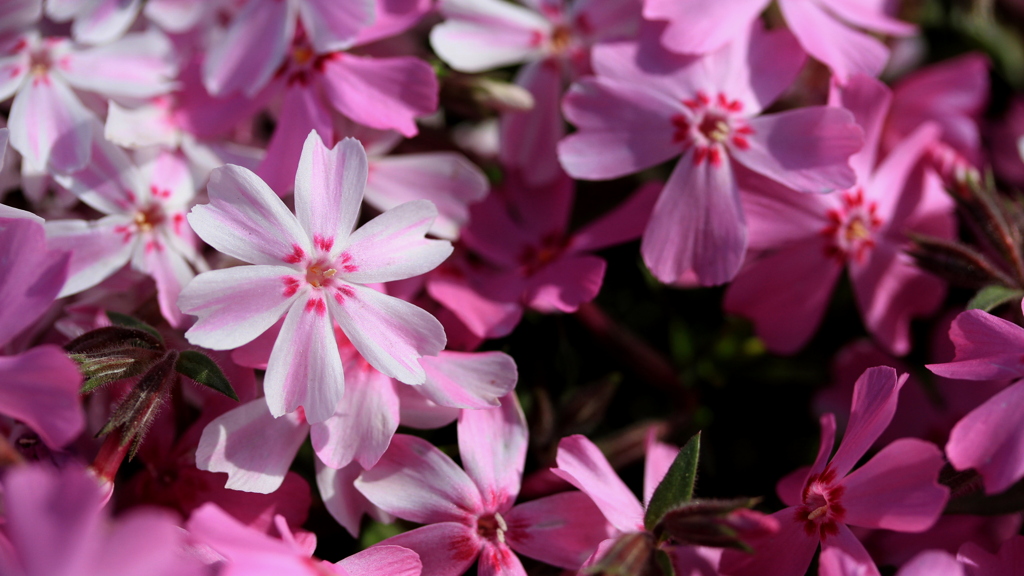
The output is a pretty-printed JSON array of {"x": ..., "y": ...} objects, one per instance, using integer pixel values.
[
  {"x": 97, "y": 249},
  {"x": 869, "y": 100},
  {"x": 247, "y": 551},
  {"x": 529, "y": 139},
  {"x": 136, "y": 66},
  {"x": 226, "y": 320},
  {"x": 897, "y": 489},
  {"x": 844, "y": 555},
  {"x": 20, "y": 14},
  {"x": 32, "y": 275},
  {"x": 980, "y": 562},
  {"x": 468, "y": 379},
  {"x": 480, "y": 35},
  {"x": 583, "y": 465},
  {"x": 698, "y": 27},
  {"x": 562, "y": 530},
  {"x": 446, "y": 549},
  {"x": 382, "y": 93},
  {"x": 871, "y": 14},
  {"x": 245, "y": 219},
  {"x": 496, "y": 468},
  {"x": 379, "y": 560},
  {"x": 346, "y": 504},
  {"x": 363, "y": 422},
  {"x": 785, "y": 553},
  {"x": 697, "y": 224},
  {"x": 872, "y": 408},
  {"x": 484, "y": 317},
  {"x": 50, "y": 126},
  {"x": 844, "y": 51},
  {"x": 807, "y": 149},
  {"x": 990, "y": 439},
  {"x": 252, "y": 446},
  {"x": 329, "y": 186},
  {"x": 418, "y": 411},
  {"x": 987, "y": 348},
  {"x": 825, "y": 445},
  {"x": 658, "y": 459},
  {"x": 790, "y": 487},
  {"x": 106, "y": 21},
  {"x": 899, "y": 172},
  {"x": 932, "y": 562},
  {"x": 565, "y": 284},
  {"x": 175, "y": 16},
  {"x": 110, "y": 182},
  {"x": 447, "y": 179},
  {"x": 785, "y": 313},
  {"x": 622, "y": 129},
  {"x": 40, "y": 388},
  {"x": 393, "y": 245},
  {"x": 333, "y": 26},
  {"x": 248, "y": 54},
  {"x": 305, "y": 369},
  {"x": 171, "y": 272},
  {"x": 394, "y": 17},
  {"x": 303, "y": 113},
  {"x": 806, "y": 215},
  {"x": 624, "y": 223},
  {"x": 391, "y": 334},
  {"x": 417, "y": 482},
  {"x": 497, "y": 559}
]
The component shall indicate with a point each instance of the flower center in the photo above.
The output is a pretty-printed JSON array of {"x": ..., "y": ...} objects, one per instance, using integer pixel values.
[
  {"x": 850, "y": 233},
  {"x": 710, "y": 126},
  {"x": 319, "y": 274},
  {"x": 822, "y": 510},
  {"x": 149, "y": 217},
  {"x": 492, "y": 527},
  {"x": 40, "y": 61},
  {"x": 535, "y": 257}
]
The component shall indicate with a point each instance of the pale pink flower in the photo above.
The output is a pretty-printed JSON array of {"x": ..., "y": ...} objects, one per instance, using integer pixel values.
[
  {"x": 38, "y": 387},
  {"x": 311, "y": 267},
  {"x": 647, "y": 106},
  {"x": 470, "y": 514},
  {"x": 863, "y": 229},
  {"x": 144, "y": 224},
  {"x": 824, "y": 28},
  {"x": 897, "y": 489},
  {"x": 95, "y": 21},
  {"x": 55, "y": 525}
]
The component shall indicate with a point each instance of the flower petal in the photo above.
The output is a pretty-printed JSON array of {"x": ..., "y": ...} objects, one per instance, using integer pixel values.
[
  {"x": 480, "y": 35},
  {"x": 329, "y": 187},
  {"x": 379, "y": 560},
  {"x": 303, "y": 112},
  {"x": 40, "y": 388},
  {"x": 446, "y": 548},
  {"x": 872, "y": 408},
  {"x": 562, "y": 530},
  {"x": 987, "y": 348},
  {"x": 393, "y": 246},
  {"x": 136, "y": 66},
  {"x": 468, "y": 379},
  {"x": 497, "y": 469},
  {"x": 583, "y": 465},
  {"x": 98, "y": 249},
  {"x": 252, "y": 49},
  {"x": 50, "y": 126},
  {"x": 991, "y": 439},
  {"x": 346, "y": 504},
  {"x": 363, "y": 422},
  {"x": 32, "y": 275},
  {"x": 333, "y": 26}
]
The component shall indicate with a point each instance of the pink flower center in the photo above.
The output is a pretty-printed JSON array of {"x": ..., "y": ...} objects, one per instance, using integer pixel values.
[
  {"x": 850, "y": 233},
  {"x": 149, "y": 217},
  {"x": 822, "y": 511},
  {"x": 492, "y": 527},
  {"x": 710, "y": 126},
  {"x": 320, "y": 274},
  {"x": 535, "y": 257}
]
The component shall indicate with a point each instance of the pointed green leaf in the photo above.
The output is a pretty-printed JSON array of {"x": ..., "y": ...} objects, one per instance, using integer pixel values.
[
  {"x": 664, "y": 562},
  {"x": 202, "y": 369},
  {"x": 677, "y": 486},
  {"x": 991, "y": 297},
  {"x": 130, "y": 322}
]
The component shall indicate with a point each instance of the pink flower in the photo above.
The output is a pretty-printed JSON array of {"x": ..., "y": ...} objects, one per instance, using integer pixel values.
[
  {"x": 897, "y": 489},
  {"x": 40, "y": 386},
  {"x": 647, "y": 106},
  {"x": 471, "y": 514},
  {"x": 813, "y": 237},
  {"x": 979, "y": 562},
  {"x": 54, "y": 525},
  {"x": 311, "y": 267},
  {"x": 823, "y": 28}
]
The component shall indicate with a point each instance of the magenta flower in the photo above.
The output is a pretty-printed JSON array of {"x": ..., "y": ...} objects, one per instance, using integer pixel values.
[
  {"x": 897, "y": 489},
  {"x": 863, "y": 229},
  {"x": 470, "y": 514},
  {"x": 39, "y": 387},
  {"x": 822, "y": 27},
  {"x": 990, "y": 438},
  {"x": 311, "y": 268},
  {"x": 647, "y": 106}
]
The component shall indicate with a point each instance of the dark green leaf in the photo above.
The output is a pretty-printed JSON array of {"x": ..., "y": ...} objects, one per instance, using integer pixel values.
[
  {"x": 113, "y": 339},
  {"x": 129, "y": 322},
  {"x": 991, "y": 297},
  {"x": 676, "y": 488},
  {"x": 664, "y": 562},
  {"x": 632, "y": 554},
  {"x": 203, "y": 370}
]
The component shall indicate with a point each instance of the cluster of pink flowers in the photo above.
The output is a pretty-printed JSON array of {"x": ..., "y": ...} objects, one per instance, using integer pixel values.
[{"x": 337, "y": 217}]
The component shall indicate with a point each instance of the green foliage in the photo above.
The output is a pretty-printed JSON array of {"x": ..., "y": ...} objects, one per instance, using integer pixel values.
[{"x": 676, "y": 488}]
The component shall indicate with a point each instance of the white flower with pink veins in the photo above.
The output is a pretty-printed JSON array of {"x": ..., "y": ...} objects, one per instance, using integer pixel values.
[{"x": 311, "y": 267}]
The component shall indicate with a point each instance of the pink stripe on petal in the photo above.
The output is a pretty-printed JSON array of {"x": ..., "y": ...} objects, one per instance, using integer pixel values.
[
  {"x": 393, "y": 246},
  {"x": 497, "y": 559},
  {"x": 251, "y": 446},
  {"x": 333, "y": 25},
  {"x": 562, "y": 530},
  {"x": 254, "y": 46},
  {"x": 417, "y": 482},
  {"x": 171, "y": 272},
  {"x": 245, "y": 219},
  {"x": 391, "y": 334},
  {"x": 305, "y": 368},
  {"x": 137, "y": 66},
  {"x": 40, "y": 388},
  {"x": 583, "y": 465},
  {"x": 329, "y": 187},
  {"x": 49, "y": 125},
  {"x": 496, "y": 468},
  {"x": 382, "y": 559},
  {"x": 479, "y": 35},
  {"x": 446, "y": 549},
  {"x": 235, "y": 305},
  {"x": 872, "y": 408},
  {"x": 98, "y": 249},
  {"x": 362, "y": 424}
]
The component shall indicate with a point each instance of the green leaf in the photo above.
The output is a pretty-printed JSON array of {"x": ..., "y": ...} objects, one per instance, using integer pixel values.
[
  {"x": 664, "y": 562},
  {"x": 129, "y": 322},
  {"x": 991, "y": 297},
  {"x": 677, "y": 486},
  {"x": 202, "y": 369}
]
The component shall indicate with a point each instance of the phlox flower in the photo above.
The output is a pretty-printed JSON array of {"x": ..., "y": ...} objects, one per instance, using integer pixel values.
[
  {"x": 863, "y": 229},
  {"x": 823, "y": 27},
  {"x": 646, "y": 106},
  {"x": 311, "y": 267},
  {"x": 897, "y": 489},
  {"x": 471, "y": 514}
]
